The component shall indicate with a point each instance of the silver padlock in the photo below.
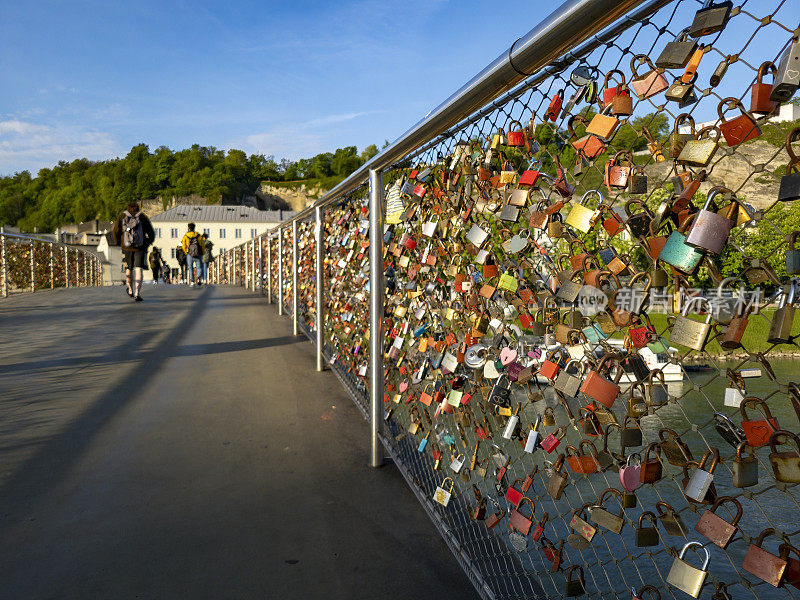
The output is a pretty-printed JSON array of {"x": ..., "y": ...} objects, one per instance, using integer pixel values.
[
  {"x": 733, "y": 396},
  {"x": 477, "y": 236},
  {"x": 511, "y": 425},
  {"x": 684, "y": 576},
  {"x": 710, "y": 230},
  {"x": 700, "y": 481},
  {"x": 793, "y": 255},
  {"x": 457, "y": 463},
  {"x": 533, "y": 437},
  {"x": 787, "y": 78}
]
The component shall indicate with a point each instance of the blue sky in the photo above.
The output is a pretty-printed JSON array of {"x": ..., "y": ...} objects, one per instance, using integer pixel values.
[{"x": 91, "y": 79}]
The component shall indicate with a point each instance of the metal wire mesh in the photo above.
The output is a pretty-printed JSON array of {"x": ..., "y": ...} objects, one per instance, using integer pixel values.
[{"x": 472, "y": 174}]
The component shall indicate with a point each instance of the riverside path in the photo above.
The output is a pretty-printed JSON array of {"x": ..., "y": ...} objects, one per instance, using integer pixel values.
[{"x": 184, "y": 447}]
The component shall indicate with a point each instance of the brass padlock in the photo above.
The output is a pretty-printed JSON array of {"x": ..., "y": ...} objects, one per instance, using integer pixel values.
[
  {"x": 699, "y": 151},
  {"x": 785, "y": 465},
  {"x": 603, "y": 517},
  {"x": 780, "y": 330},
  {"x": 575, "y": 587},
  {"x": 646, "y": 536},
  {"x": 745, "y": 468},
  {"x": 686, "y": 577},
  {"x": 689, "y": 333},
  {"x": 671, "y": 520}
]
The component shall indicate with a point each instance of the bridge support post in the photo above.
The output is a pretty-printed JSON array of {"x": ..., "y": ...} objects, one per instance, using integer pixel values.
[
  {"x": 280, "y": 272},
  {"x": 269, "y": 269},
  {"x": 66, "y": 266},
  {"x": 375, "y": 314},
  {"x": 260, "y": 269},
  {"x": 320, "y": 277},
  {"x": 295, "y": 278},
  {"x": 52, "y": 268}
]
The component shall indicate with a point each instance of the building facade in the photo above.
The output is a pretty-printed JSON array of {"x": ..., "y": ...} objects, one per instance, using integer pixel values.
[{"x": 226, "y": 226}]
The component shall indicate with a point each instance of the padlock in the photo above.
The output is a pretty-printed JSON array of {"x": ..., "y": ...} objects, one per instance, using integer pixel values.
[
  {"x": 699, "y": 487},
  {"x": 709, "y": 229},
  {"x": 711, "y": 18},
  {"x": 739, "y": 129},
  {"x": 539, "y": 529},
  {"x": 676, "y": 53},
  {"x": 757, "y": 431},
  {"x": 501, "y": 391},
  {"x": 651, "y": 468},
  {"x": 637, "y": 180},
  {"x": 517, "y": 521},
  {"x": 575, "y": 587},
  {"x": 793, "y": 255},
  {"x": 599, "y": 388},
  {"x": 511, "y": 424},
  {"x": 630, "y": 475},
  {"x": 567, "y": 383},
  {"x": 617, "y": 172},
  {"x": 759, "y": 94},
  {"x": 734, "y": 393},
  {"x": 630, "y": 437},
  {"x": 552, "y": 553},
  {"x": 792, "y": 573},
  {"x": 603, "y": 124},
  {"x": 554, "y": 109},
  {"x": 552, "y": 441},
  {"x": 790, "y": 183},
  {"x": 591, "y": 424},
  {"x": 585, "y": 463},
  {"x": 764, "y": 565},
  {"x": 677, "y": 253},
  {"x": 646, "y": 591},
  {"x": 689, "y": 333},
  {"x": 443, "y": 494},
  {"x": 513, "y": 495},
  {"x": 671, "y": 520},
  {"x": 423, "y": 443},
  {"x": 678, "y": 140},
  {"x": 492, "y": 520},
  {"x": 610, "y": 92},
  {"x": 457, "y": 463},
  {"x": 715, "y": 528},
  {"x": 603, "y": 517},
  {"x": 482, "y": 467},
  {"x": 550, "y": 368},
  {"x": 787, "y": 79},
  {"x": 558, "y": 480},
  {"x": 699, "y": 151},
  {"x": 681, "y": 92},
  {"x": 686, "y": 577},
  {"x": 646, "y": 536},
  {"x": 645, "y": 86},
  {"x": 745, "y": 468},
  {"x": 733, "y": 335},
  {"x": 583, "y": 530},
  {"x": 555, "y": 228},
  {"x": 581, "y": 217},
  {"x": 548, "y": 418},
  {"x": 780, "y": 329},
  {"x": 785, "y": 465},
  {"x": 515, "y": 137}
]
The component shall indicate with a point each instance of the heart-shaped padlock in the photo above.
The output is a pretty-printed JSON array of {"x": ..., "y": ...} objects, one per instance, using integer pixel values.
[
  {"x": 508, "y": 355},
  {"x": 630, "y": 475},
  {"x": 402, "y": 387}
]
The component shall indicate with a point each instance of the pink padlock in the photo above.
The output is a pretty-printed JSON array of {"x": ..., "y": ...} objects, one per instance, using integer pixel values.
[
  {"x": 630, "y": 475},
  {"x": 507, "y": 356}
]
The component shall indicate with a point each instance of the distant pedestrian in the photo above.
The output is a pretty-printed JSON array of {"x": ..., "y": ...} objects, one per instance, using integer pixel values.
[
  {"x": 208, "y": 256},
  {"x": 181, "y": 256},
  {"x": 155, "y": 263},
  {"x": 134, "y": 232},
  {"x": 193, "y": 247}
]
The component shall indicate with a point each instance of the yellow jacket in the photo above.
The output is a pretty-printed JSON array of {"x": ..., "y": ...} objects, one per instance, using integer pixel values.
[{"x": 185, "y": 242}]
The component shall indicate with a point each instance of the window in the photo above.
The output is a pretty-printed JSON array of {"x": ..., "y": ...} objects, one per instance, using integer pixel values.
[
  {"x": 253, "y": 233},
  {"x": 172, "y": 253},
  {"x": 237, "y": 233},
  {"x": 158, "y": 232},
  {"x": 174, "y": 232},
  {"x": 222, "y": 234},
  {"x": 207, "y": 231}
]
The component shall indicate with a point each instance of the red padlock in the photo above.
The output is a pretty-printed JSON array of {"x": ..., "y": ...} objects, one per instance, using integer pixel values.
[
  {"x": 759, "y": 96},
  {"x": 515, "y": 137},
  {"x": 599, "y": 388},
  {"x": 552, "y": 441},
  {"x": 757, "y": 431},
  {"x": 739, "y": 129},
  {"x": 554, "y": 109}
]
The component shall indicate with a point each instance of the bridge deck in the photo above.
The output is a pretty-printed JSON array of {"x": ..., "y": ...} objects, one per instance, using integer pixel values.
[{"x": 185, "y": 447}]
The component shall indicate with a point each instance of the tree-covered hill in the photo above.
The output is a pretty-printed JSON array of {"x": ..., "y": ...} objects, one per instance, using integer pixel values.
[{"x": 72, "y": 192}]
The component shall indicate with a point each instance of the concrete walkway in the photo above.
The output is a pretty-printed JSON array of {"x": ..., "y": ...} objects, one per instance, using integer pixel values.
[{"x": 184, "y": 447}]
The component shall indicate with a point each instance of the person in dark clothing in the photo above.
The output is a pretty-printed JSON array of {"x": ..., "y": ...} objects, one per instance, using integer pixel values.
[
  {"x": 134, "y": 232},
  {"x": 180, "y": 255},
  {"x": 155, "y": 263}
]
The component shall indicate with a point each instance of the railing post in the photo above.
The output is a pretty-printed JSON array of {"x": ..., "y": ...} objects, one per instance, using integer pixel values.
[
  {"x": 33, "y": 268},
  {"x": 269, "y": 269},
  {"x": 375, "y": 314},
  {"x": 280, "y": 272},
  {"x": 52, "y": 268},
  {"x": 320, "y": 277},
  {"x": 260, "y": 270},
  {"x": 253, "y": 265},
  {"x": 66, "y": 266},
  {"x": 295, "y": 278},
  {"x": 4, "y": 264}
]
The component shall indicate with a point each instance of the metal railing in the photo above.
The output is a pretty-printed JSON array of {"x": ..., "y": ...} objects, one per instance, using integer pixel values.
[
  {"x": 29, "y": 263},
  {"x": 342, "y": 305}
]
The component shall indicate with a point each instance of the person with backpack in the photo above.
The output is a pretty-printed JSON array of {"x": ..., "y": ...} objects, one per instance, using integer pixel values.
[
  {"x": 155, "y": 263},
  {"x": 180, "y": 256},
  {"x": 208, "y": 256},
  {"x": 134, "y": 233},
  {"x": 194, "y": 247}
]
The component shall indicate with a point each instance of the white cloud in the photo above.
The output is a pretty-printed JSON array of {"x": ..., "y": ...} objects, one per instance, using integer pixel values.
[{"x": 31, "y": 146}]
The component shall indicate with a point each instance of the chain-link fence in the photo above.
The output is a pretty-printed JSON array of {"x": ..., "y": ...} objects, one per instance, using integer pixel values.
[
  {"x": 29, "y": 264},
  {"x": 575, "y": 429}
]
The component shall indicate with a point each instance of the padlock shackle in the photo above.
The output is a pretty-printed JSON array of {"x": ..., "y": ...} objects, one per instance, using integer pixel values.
[
  {"x": 696, "y": 545},
  {"x": 782, "y": 434},
  {"x": 648, "y": 514},
  {"x": 722, "y": 500},
  {"x": 679, "y": 120},
  {"x": 756, "y": 403}
]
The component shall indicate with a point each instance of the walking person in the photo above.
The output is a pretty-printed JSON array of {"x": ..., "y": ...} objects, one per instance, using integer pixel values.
[
  {"x": 134, "y": 232},
  {"x": 193, "y": 247},
  {"x": 155, "y": 263},
  {"x": 180, "y": 255},
  {"x": 208, "y": 256}
]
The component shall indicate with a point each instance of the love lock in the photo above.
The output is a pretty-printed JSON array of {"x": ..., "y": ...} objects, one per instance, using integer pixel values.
[{"x": 686, "y": 577}]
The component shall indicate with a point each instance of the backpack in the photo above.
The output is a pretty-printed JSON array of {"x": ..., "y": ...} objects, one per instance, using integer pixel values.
[
  {"x": 180, "y": 255},
  {"x": 132, "y": 230},
  {"x": 194, "y": 247}
]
